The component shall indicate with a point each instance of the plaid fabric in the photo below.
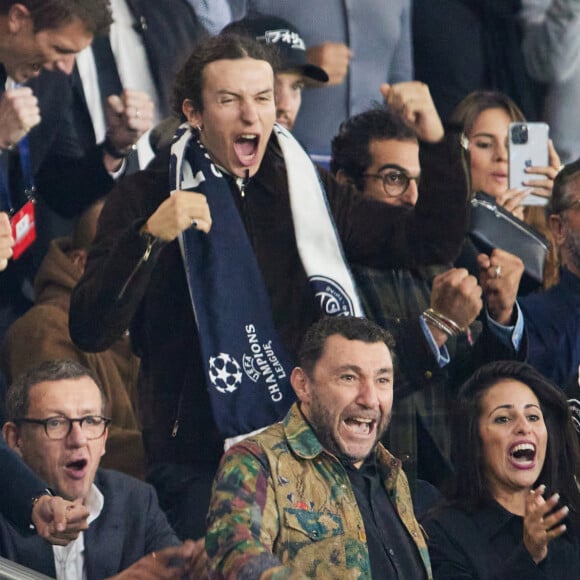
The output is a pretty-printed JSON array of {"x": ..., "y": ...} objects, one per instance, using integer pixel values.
[{"x": 419, "y": 431}]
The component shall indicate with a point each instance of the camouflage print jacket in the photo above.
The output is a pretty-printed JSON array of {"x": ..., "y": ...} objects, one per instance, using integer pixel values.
[{"x": 282, "y": 507}]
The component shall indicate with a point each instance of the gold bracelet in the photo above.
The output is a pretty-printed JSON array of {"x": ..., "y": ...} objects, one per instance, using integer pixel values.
[
  {"x": 437, "y": 323},
  {"x": 448, "y": 321}
]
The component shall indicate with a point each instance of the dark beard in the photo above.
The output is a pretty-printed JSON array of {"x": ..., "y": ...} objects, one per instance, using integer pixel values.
[
  {"x": 321, "y": 423},
  {"x": 572, "y": 246}
]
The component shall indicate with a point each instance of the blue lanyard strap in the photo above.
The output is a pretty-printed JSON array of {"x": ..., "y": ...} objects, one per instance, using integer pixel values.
[
  {"x": 27, "y": 177},
  {"x": 26, "y": 165},
  {"x": 4, "y": 186}
]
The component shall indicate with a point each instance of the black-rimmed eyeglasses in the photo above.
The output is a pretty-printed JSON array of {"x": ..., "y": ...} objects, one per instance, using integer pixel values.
[
  {"x": 395, "y": 183},
  {"x": 92, "y": 426}
]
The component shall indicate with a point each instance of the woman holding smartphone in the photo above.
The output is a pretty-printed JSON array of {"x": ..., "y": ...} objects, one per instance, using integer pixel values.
[{"x": 485, "y": 117}]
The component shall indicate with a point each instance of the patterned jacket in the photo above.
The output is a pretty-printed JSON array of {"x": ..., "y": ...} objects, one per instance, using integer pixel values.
[{"x": 282, "y": 507}]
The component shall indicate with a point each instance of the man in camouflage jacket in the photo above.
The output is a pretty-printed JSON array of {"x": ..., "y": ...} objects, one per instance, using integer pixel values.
[{"x": 285, "y": 502}]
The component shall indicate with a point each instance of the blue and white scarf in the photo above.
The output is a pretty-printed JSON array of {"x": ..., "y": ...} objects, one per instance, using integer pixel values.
[{"x": 246, "y": 367}]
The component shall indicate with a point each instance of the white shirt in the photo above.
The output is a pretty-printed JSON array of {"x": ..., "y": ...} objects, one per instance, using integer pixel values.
[
  {"x": 133, "y": 67},
  {"x": 69, "y": 561}
]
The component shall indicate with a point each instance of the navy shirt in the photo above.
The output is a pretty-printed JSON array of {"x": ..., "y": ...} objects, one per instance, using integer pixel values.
[{"x": 552, "y": 321}]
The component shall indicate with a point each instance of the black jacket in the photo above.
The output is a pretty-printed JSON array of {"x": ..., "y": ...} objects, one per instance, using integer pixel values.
[{"x": 120, "y": 289}]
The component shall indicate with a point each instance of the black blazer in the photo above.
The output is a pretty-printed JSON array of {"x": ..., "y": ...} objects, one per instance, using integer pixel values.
[
  {"x": 170, "y": 30},
  {"x": 130, "y": 526},
  {"x": 18, "y": 485}
]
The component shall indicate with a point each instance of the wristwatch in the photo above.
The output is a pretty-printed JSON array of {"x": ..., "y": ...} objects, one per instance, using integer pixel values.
[
  {"x": 109, "y": 148},
  {"x": 36, "y": 499}
]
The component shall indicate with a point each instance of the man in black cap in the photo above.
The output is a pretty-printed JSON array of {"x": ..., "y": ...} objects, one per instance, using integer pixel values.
[{"x": 294, "y": 72}]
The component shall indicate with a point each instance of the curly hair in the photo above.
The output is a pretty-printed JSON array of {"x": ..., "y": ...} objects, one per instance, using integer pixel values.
[{"x": 350, "y": 147}]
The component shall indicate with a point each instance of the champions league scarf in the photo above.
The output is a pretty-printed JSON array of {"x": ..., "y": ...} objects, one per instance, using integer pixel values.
[{"x": 246, "y": 367}]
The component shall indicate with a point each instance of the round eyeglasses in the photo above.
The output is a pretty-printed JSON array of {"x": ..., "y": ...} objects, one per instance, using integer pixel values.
[
  {"x": 395, "y": 183},
  {"x": 92, "y": 426}
]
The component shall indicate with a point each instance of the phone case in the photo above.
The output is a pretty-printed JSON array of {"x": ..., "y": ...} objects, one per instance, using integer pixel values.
[
  {"x": 528, "y": 146},
  {"x": 492, "y": 226}
]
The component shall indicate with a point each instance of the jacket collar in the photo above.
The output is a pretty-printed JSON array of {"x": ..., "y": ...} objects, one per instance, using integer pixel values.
[
  {"x": 300, "y": 435},
  {"x": 302, "y": 441}
]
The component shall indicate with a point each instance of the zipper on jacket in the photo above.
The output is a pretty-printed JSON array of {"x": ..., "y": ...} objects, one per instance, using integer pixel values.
[
  {"x": 176, "y": 422},
  {"x": 511, "y": 220},
  {"x": 242, "y": 184},
  {"x": 151, "y": 241}
]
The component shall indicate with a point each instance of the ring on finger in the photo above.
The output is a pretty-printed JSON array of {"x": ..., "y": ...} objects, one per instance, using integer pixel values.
[
  {"x": 497, "y": 271},
  {"x": 137, "y": 114}
]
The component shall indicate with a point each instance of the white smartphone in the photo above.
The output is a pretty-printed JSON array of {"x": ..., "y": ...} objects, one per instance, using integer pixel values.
[{"x": 528, "y": 146}]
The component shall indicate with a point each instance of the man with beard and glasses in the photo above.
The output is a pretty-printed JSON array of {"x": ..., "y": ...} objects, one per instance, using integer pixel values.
[
  {"x": 384, "y": 153},
  {"x": 317, "y": 495},
  {"x": 552, "y": 318}
]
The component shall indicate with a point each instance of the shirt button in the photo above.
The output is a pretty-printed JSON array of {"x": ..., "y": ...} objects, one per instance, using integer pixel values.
[
  {"x": 428, "y": 374},
  {"x": 391, "y": 552}
]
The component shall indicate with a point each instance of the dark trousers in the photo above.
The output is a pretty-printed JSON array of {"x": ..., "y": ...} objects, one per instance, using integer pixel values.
[{"x": 184, "y": 492}]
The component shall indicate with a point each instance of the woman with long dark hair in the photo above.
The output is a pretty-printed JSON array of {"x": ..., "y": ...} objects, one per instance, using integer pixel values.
[
  {"x": 484, "y": 117},
  {"x": 513, "y": 509}
]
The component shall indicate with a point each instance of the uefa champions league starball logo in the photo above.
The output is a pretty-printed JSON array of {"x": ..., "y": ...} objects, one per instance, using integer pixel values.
[{"x": 224, "y": 372}]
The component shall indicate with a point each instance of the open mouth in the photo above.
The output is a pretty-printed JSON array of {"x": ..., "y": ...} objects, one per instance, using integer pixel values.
[
  {"x": 77, "y": 466},
  {"x": 246, "y": 148},
  {"x": 360, "y": 425},
  {"x": 523, "y": 454}
]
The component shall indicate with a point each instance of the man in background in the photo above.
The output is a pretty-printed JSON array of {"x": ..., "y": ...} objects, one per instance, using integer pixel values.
[
  {"x": 553, "y": 317},
  {"x": 382, "y": 152},
  {"x": 294, "y": 70}
]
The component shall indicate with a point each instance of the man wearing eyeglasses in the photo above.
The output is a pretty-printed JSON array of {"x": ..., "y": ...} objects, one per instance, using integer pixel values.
[
  {"x": 378, "y": 151},
  {"x": 57, "y": 424}
]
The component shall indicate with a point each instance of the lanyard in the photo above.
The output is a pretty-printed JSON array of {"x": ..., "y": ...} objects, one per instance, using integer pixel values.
[
  {"x": 26, "y": 166},
  {"x": 28, "y": 178}
]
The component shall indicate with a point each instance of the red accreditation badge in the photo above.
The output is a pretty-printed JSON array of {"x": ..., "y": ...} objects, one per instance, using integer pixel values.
[{"x": 23, "y": 229}]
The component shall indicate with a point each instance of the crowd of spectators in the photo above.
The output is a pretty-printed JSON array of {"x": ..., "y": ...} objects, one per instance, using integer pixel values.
[{"x": 236, "y": 254}]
